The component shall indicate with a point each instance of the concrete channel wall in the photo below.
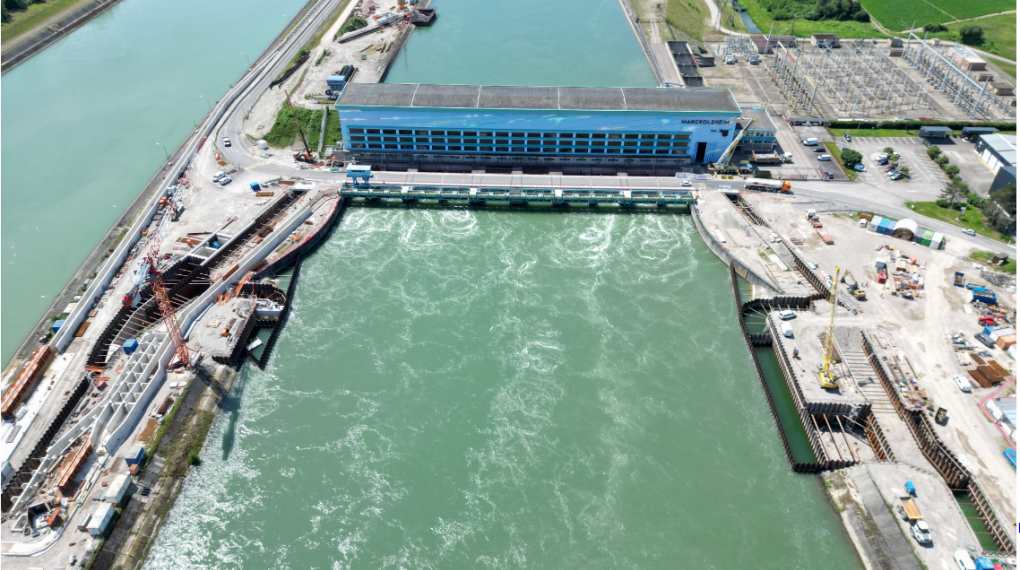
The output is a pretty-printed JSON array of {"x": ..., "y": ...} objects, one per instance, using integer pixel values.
[{"x": 721, "y": 252}]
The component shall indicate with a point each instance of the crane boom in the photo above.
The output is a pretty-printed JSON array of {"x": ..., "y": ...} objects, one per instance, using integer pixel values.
[
  {"x": 825, "y": 376},
  {"x": 724, "y": 161},
  {"x": 147, "y": 264},
  {"x": 308, "y": 152}
]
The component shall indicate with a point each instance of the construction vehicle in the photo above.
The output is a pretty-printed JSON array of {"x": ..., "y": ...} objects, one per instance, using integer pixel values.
[
  {"x": 722, "y": 166},
  {"x": 826, "y": 376},
  {"x": 147, "y": 264},
  {"x": 853, "y": 285},
  {"x": 768, "y": 158},
  {"x": 305, "y": 156}
]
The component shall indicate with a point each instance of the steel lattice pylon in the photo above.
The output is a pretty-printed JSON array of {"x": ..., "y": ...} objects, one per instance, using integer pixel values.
[{"x": 171, "y": 321}]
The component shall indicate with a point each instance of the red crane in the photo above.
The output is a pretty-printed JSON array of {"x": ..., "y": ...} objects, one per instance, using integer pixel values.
[{"x": 165, "y": 307}]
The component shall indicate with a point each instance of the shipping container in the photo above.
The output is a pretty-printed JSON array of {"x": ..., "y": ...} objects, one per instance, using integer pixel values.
[
  {"x": 937, "y": 241},
  {"x": 1000, "y": 332},
  {"x": 959, "y": 280},
  {"x": 130, "y": 345},
  {"x": 874, "y": 223},
  {"x": 986, "y": 298}
]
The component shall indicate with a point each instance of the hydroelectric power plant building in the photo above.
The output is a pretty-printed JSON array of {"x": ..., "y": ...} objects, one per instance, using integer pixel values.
[{"x": 589, "y": 130}]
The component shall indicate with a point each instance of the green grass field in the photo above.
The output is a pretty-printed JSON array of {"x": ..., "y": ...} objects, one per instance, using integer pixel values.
[
  {"x": 985, "y": 256},
  {"x": 973, "y": 218},
  {"x": 873, "y": 132},
  {"x": 285, "y": 131},
  {"x": 899, "y": 15},
  {"x": 36, "y": 14},
  {"x": 1000, "y": 35},
  {"x": 804, "y": 28},
  {"x": 1006, "y": 67}
]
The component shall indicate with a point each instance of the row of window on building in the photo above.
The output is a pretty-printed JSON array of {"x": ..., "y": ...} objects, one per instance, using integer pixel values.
[{"x": 519, "y": 142}]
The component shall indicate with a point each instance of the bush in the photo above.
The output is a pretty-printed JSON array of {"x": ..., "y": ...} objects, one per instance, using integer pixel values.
[
  {"x": 5, "y": 16},
  {"x": 905, "y": 170},
  {"x": 975, "y": 200},
  {"x": 193, "y": 458},
  {"x": 972, "y": 35},
  {"x": 933, "y": 152},
  {"x": 888, "y": 150},
  {"x": 863, "y": 16},
  {"x": 850, "y": 158},
  {"x": 16, "y": 5},
  {"x": 935, "y": 28},
  {"x": 942, "y": 203},
  {"x": 942, "y": 161},
  {"x": 952, "y": 170}
]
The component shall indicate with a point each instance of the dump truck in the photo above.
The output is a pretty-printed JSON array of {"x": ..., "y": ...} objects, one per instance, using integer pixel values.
[{"x": 766, "y": 185}]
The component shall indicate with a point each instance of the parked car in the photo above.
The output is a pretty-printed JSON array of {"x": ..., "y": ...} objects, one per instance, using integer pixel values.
[
  {"x": 787, "y": 315},
  {"x": 961, "y": 382},
  {"x": 225, "y": 180},
  {"x": 860, "y": 168},
  {"x": 969, "y": 232},
  {"x": 985, "y": 339},
  {"x": 922, "y": 533},
  {"x": 218, "y": 176},
  {"x": 686, "y": 183},
  {"x": 820, "y": 149},
  {"x": 824, "y": 157},
  {"x": 882, "y": 161},
  {"x": 963, "y": 561},
  {"x": 896, "y": 176},
  {"x": 753, "y": 59},
  {"x": 226, "y": 141},
  {"x": 847, "y": 137},
  {"x": 730, "y": 59}
]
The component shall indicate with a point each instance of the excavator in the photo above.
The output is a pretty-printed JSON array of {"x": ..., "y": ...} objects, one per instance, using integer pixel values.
[
  {"x": 826, "y": 376},
  {"x": 305, "y": 156},
  {"x": 722, "y": 166},
  {"x": 855, "y": 288}
]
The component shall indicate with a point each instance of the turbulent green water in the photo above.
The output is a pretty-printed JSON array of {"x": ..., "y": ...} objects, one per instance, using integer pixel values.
[
  {"x": 81, "y": 123},
  {"x": 564, "y": 43},
  {"x": 482, "y": 389}
]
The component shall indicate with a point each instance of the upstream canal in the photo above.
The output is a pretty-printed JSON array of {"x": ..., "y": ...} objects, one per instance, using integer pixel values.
[
  {"x": 82, "y": 121},
  {"x": 479, "y": 388}
]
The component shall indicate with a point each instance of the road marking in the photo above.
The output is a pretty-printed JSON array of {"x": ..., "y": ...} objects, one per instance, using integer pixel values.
[{"x": 256, "y": 165}]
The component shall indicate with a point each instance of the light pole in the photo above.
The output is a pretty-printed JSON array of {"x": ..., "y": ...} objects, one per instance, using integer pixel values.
[
  {"x": 165, "y": 151},
  {"x": 206, "y": 102}
]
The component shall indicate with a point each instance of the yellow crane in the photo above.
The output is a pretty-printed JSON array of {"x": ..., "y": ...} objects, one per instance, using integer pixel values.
[
  {"x": 722, "y": 166},
  {"x": 826, "y": 377}
]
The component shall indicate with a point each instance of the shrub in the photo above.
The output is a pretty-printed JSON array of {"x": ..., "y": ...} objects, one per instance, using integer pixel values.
[
  {"x": 193, "y": 458},
  {"x": 863, "y": 16},
  {"x": 16, "y": 5},
  {"x": 942, "y": 203},
  {"x": 888, "y": 150},
  {"x": 905, "y": 170},
  {"x": 935, "y": 28},
  {"x": 975, "y": 200},
  {"x": 933, "y": 152},
  {"x": 972, "y": 35},
  {"x": 5, "y": 16},
  {"x": 952, "y": 170},
  {"x": 942, "y": 161},
  {"x": 850, "y": 158}
]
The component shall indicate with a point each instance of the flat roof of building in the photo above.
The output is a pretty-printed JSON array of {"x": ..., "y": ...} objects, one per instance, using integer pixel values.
[
  {"x": 762, "y": 120},
  {"x": 538, "y": 98},
  {"x": 1004, "y": 145},
  {"x": 966, "y": 53}
]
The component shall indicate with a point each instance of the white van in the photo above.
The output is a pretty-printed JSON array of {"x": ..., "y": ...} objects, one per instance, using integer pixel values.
[
  {"x": 811, "y": 142},
  {"x": 787, "y": 315},
  {"x": 216, "y": 177},
  {"x": 824, "y": 157},
  {"x": 963, "y": 561},
  {"x": 787, "y": 329}
]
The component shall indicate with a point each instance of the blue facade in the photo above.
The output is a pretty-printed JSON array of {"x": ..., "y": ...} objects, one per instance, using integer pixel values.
[{"x": 701, "y": 136}]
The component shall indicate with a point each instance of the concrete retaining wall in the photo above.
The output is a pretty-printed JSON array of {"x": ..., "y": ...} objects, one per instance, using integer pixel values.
[{"x": 720, "y": 251}]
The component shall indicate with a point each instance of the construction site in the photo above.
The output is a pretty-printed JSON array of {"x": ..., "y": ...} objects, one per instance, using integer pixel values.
[{"x": 865, "y": 331}]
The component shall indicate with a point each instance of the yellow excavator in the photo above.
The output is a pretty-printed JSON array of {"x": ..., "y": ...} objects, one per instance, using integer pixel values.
[
  {"x": 854, "y": 286},
  {"x": 826, "y": 376}
]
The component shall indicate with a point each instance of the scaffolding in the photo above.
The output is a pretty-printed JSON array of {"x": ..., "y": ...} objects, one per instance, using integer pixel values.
[{"x": 954, "y": 83}]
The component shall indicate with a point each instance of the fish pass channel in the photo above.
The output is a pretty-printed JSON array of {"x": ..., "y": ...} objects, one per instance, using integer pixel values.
[{"x": 462, "y": 388}]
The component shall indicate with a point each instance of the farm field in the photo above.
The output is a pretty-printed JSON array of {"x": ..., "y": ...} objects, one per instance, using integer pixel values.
[
  {"x": 899, "y": 15},
  {"x": 1000, "y": 34},
  {"x": 804, "y": 28}
]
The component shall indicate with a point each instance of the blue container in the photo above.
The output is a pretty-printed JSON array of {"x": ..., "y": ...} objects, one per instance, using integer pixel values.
[
  {"x": 1011, "y": 457},
  {"x": 135, "y": 455},
  {"x": 983, "y": 564},
  {"x": 57, "y": 324},
  {"x": 986, "y": 298},
  {"x": 255, "y": 186},
  {"x": 130, "y": 345},
  {"x": 215, "y": 244},
  {"x": 910, "y": 488},
  {"x": 989, "y": 329}
]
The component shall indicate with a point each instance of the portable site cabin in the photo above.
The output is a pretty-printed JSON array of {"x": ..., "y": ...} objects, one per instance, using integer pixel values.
[
  {"x": 100, "y": 520},
  {"x": 117, "y": 489},
  {"x": 937, "y": 241},
  {"x": 874, "y": 223}
]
